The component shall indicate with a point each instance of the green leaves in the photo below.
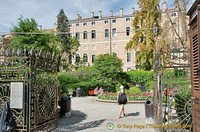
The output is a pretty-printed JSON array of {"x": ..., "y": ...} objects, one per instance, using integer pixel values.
[
  {"x": 39, "y": 41},
  {"x": 140, "y": 77},
  {"x": 62, "y": 27},
  {"x": 106, "y": 70},
  {"x": 145, "y": 36}
]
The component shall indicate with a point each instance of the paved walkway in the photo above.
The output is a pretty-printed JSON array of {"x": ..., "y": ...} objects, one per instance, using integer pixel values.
[{"x": 88, "y": 115}]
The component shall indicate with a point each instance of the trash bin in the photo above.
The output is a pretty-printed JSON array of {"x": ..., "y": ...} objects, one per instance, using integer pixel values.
[
  {"x": 65, "y": 105},
  {"x": 78, "y": 92},
  {"x": 149, "y": 108}
]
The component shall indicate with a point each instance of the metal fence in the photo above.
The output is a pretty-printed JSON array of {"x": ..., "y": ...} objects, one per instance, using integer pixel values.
[{"x": 172, "y": 89}]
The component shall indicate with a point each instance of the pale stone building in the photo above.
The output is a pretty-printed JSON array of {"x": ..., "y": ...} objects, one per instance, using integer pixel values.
[
  {"x": 108, "y": 35},
  {"x": 104, "y": 35}
]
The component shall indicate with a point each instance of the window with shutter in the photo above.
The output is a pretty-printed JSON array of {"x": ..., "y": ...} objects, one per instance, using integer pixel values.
[{"x": 195, "y": 61}]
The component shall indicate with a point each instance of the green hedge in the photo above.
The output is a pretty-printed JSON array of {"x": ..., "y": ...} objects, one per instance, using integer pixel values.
[
  {"x": 85, "y": 86},
  {"x": 67, "y": 82},
  {"x": 140, "y": 77}
]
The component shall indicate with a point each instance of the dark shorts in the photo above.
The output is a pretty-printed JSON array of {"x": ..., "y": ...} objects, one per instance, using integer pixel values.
[{"x": 121, "y": 103}]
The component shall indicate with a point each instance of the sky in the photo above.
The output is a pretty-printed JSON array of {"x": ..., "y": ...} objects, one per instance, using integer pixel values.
[{"x": 45, "y": 11}]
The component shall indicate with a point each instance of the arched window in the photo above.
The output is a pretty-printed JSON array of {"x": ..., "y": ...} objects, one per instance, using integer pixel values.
[
  {"x": 77, "y": 58},
  {"x": 85, "y": 57}
]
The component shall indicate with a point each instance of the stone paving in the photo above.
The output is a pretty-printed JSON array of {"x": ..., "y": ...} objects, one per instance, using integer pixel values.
[{"x": 88, "y": 115}]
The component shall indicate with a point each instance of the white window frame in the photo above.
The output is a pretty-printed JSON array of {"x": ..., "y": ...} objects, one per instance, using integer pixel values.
[
  {"x": 129, "y": 55},
  {"x": 106, "y": 33},
  {"x": 106, "y": 22},
  {"x": 128, "y": 18},
  {"x": 86, "y": 35},
  {"x": 115, "y": 21},
  {"x": 77, "y": 24},
  {"x": 93, "y": 24},
  {"x": 114, "y": 34},
  {"x": 85, "y": 24},
  {"x": 129, "y": 31},
  {"x": 94, "y": 34}
]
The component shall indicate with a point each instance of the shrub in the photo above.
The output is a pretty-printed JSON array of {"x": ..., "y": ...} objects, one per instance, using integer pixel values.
[
  {"x": 117, "y": 87},
  {"x": 140, "y": 77},
  {"x": 176, "y": 73},
  {"x": 149, "y": 85},
  {"x": 135, "y": 91},
  {"x": 65, "y": 81},
  {"x": 106, "y": 71}
]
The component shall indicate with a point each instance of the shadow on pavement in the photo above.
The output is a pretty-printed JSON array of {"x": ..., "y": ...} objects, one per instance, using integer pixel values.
[
  {"x": 76, "y": 117},
  {"x": 133, "y": 114},
  {"x": 81, "y": 126}
]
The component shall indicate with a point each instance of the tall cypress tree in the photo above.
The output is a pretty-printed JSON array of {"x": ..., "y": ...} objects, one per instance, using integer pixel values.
[
  {"x": 63, "y": 31},
  {"x": 68, "y": 45},
  {"x": 146, "y": 26},
  {"x": 63, "y": 35}
]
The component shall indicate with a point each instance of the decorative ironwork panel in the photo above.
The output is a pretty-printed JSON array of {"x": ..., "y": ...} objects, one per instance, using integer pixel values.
[
  {"x": 37, "y": 72},
  {"x": 43, "y": 91},
  {"x": 14, "y": 68},
  {"x": 173, "y": 88}
]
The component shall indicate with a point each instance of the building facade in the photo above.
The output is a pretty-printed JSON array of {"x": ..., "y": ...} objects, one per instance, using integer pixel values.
[
  {"x": 109, "y": 35},
  {"x": 104, "y": 35}
]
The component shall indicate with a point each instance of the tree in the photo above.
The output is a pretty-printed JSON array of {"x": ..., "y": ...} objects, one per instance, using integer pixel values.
[
  {"x": 63, "y": 31},
  {"x": 68, "y": 45},
  {"x": 106, "y": 71},
  {"x": 25, "y": 36},
  {"x": 146, "y": 25}
]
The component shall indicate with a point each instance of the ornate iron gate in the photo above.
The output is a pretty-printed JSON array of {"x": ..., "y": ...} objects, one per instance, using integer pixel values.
[
  {"x": 172, "y": 89},
  {"x": 36, "y": 72}
]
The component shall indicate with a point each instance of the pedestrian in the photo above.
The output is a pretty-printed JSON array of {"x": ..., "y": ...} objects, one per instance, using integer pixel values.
[
  {"x": 121, "y": 100},
  {"x": 101, "y": 90},
  {"x": 96, "y": 90}
]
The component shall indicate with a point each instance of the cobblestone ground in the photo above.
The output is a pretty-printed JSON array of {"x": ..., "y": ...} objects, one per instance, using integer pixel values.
[{"x": 88, "y": 115}]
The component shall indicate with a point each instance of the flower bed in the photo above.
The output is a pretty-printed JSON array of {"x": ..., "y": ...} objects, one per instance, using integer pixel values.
[{"x": 113, "y": 96}]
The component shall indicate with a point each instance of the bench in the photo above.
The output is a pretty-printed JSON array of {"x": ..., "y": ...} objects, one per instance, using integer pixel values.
[
  {"x": 91, "y": 92},
  {"x": 170, "y": 91}
]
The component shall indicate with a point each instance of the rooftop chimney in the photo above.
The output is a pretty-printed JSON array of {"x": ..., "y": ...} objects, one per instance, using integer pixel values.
[
  {"x": 100, "y": 14},
  {"x": 78, "y": 16},
  {"x": 121, "y": 11},
  {"x": 164, "y": 6},
  {"x": 92, "y": 14},
  {"x": 133, "y": 10},
  {"x": 111, "y": 13}
]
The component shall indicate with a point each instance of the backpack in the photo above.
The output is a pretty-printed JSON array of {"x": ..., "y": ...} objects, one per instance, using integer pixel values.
[{"x": 122, "y": 98}]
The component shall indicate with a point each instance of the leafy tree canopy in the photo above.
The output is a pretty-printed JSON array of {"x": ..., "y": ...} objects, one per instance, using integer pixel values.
[
  {"x": 146, "y": 24},
  {"x": 106, "y": 70},
  {"x": 39, "y": 41}
]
